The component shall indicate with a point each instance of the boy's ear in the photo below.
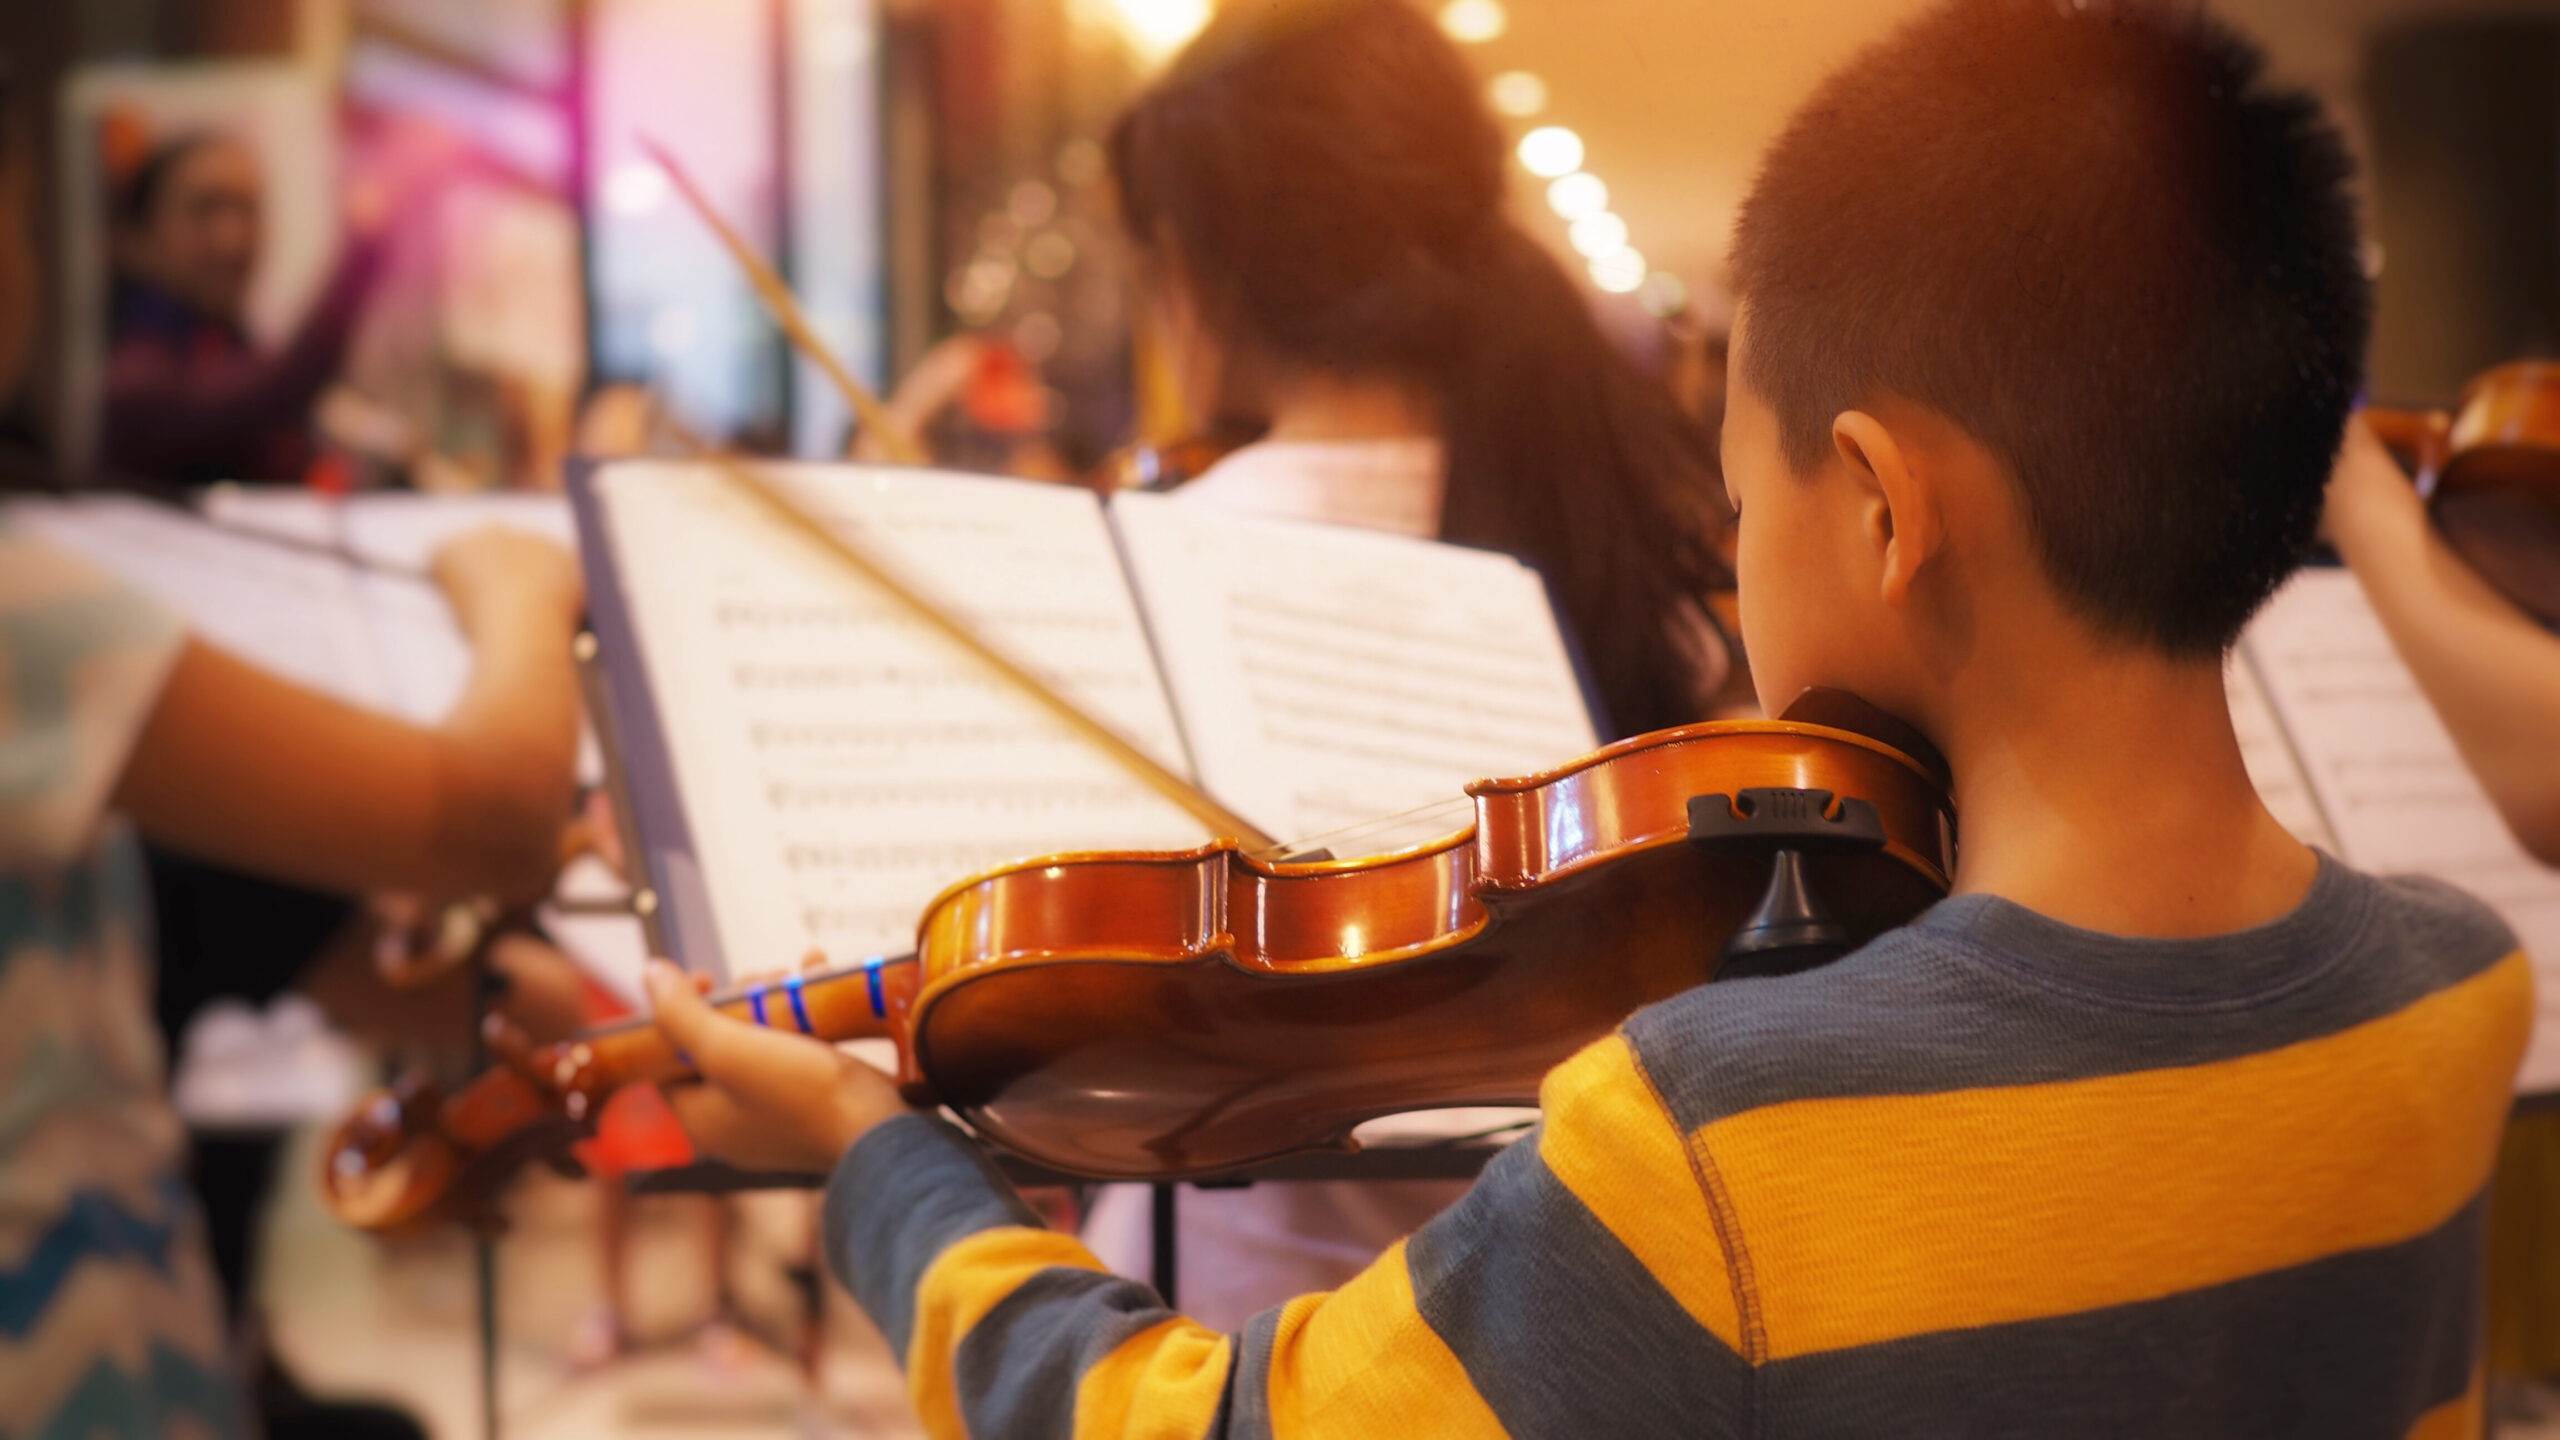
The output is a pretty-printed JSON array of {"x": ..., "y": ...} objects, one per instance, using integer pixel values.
[{"x": 1900, "y": 508}]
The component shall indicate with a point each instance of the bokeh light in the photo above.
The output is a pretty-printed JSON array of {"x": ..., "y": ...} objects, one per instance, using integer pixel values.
[
  {"x": 1473, "y": 22},
  {"x": 1578, "y": 194},
  {"x": 1663, "y": 294},
  {"x": 1551, "y": 151},
  {"x": 635, "y": 188},
  {"x": 1598, "y": 234},
  {"x": 1620, "y": 272},
  {"x": 1518, "y": 94},
  {"x": 1155, "y": 28}
]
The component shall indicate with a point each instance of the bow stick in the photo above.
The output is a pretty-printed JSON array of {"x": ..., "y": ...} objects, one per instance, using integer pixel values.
[{"x": 895, "y": 441}]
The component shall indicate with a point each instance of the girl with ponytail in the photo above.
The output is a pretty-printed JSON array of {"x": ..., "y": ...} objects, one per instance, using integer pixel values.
[{"x": 1315, "y": 196}]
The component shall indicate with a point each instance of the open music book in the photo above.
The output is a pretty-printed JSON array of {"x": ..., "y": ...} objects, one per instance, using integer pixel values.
[
  {"x": 2349, "y": 755},
  {"x": 330, "y": 593},
  {"x": 808, "y": 764}
]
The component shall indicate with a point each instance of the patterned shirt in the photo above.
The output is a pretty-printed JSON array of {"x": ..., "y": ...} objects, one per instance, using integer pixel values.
[
  {"x": 1989, "y": 1176},
  {"x": 109, "y": 1322}
]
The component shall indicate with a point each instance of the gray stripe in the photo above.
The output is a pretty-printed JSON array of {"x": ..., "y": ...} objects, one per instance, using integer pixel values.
[
  {"x": 1562, "y": 1330},
  {"x": 1245, "y": 1413},
  {"x": 2354, "y": 1345},
  {"x": 1981, "y": 992},
  {"x": 1018, "y": 1368},
  {"x": 901, "y": 1196}
]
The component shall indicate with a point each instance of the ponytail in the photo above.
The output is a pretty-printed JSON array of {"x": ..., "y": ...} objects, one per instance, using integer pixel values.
[
  {"x": 1333, "y": 187},
  {"x": 1562, "y": 453}
]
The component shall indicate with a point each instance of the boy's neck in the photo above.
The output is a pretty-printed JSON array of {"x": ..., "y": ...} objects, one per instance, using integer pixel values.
[{"x": 2116, "y": 801}]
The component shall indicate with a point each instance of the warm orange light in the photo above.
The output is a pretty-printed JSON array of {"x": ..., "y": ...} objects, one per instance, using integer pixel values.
[
  {"x": 1620, "y": 272},
  {"x": 1473, "y": 22},
  {"x": 1153, "y": 28},
  {"x": 1518, "y": 94},
  {"x": 1551, "y": 151},
  {"x": 1578, "y": 194}
]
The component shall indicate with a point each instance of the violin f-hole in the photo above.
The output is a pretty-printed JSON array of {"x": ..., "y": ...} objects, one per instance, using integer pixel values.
[{"x": 1790, "y": 929}]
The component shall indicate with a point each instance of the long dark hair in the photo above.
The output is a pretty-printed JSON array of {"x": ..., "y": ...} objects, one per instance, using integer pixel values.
[{"x": 1327, "y": 183}]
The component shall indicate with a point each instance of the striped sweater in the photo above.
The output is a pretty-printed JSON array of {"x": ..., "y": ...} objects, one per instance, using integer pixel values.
[{"x": 1988, "y": 1176}]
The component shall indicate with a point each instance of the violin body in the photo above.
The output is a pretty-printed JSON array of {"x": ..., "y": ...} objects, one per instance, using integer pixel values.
[
  {"x": 1180, "y": 1015},
  {"x": 2490, "y": 470}
]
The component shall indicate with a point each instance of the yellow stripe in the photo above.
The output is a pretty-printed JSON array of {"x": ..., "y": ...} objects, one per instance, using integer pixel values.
[
  {"x": 2455, "y": 1419},
  {"x": 965, "y": 1282},
  {"x": 1608, "y": 1139},
  {"x": 1362, "y": 1363},
  {"x": 1163, "y": 1383},
  {"x": 1876, "y": 1218}
]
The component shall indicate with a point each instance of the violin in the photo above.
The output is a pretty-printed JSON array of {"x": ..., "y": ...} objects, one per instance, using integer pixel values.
[
  {"x": 2490, "y": 471},
  {"x": 1183, "y": 1014}
]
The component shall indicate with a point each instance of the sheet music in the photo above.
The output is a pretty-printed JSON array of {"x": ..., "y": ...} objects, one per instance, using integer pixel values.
[
  {"x": 293, "y": 613},
  {"x": 423, "y": 657},
  {"x": 838, "y": 761},
  {"x": 403, "y": 531},
  {"x": 2395, "y": 790},
  {"x": 287, "y": 512},
  {"x": 396, "y": 530},
  {"x": 1328, "y": 676}
]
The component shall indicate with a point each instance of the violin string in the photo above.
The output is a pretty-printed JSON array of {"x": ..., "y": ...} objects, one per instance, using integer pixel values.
[{"x": 1459, "y": 811}]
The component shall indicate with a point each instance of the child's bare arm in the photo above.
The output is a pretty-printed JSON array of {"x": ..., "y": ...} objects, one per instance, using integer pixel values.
[
  {"x": 2490, "y": 671},
  {"x": 239, "y": 765}
]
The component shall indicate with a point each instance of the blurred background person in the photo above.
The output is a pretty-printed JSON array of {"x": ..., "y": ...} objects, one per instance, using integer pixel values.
[
  {"x": 189, "y": 398},
  {"x": 113, "y": 710},
  {"x": 1315, "y": 197}
]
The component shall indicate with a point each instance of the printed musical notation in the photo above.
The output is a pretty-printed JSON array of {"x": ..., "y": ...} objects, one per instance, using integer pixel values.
[
  {"x": 1327, "y": 677},
  {"x": 839, "y": 762},
  {"x": 2388, "y": 779}
]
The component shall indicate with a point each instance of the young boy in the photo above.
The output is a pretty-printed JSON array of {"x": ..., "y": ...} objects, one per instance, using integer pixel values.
[{"x": 2162, "y": 1125}]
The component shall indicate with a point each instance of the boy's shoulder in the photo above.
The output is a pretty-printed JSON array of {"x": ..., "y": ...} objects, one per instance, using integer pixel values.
[{"x": 1979, "y": 993}]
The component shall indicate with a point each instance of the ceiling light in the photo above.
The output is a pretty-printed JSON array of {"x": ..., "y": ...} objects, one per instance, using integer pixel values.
[
  {"x": 1620, "y": 272},
  {"x": 1599, "y": 233},
  {"x": 1577, "y": 195},
  {"x": 1473, "y": 22},
  {"x": 1551, "y": 151},
  {"x": 1518, "y": 94}
]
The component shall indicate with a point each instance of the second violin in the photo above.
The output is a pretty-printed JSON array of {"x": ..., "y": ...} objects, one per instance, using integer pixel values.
[{"x": 2490, "y": 469}]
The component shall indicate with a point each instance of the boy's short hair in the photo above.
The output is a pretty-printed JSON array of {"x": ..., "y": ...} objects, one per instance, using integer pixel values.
[{"x": 2090, "y": 233}]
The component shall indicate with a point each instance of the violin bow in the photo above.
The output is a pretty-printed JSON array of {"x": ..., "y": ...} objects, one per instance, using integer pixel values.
[
  {"x": 904, "y": 448},
  {"x": 896, "y": 442},
  {"x": 1092, "y": 729}
]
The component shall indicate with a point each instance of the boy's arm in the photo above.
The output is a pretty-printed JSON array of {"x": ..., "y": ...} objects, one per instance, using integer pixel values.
[
  {"x": 1580, "y": 1288},
  {"x": 2492, "y": 674}
]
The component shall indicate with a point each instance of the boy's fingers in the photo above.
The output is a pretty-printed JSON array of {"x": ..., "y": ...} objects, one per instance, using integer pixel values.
[{"x": 683, "y": 1016}]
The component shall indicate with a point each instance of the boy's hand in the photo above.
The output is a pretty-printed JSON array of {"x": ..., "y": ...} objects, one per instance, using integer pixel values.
[
  {"x": 770, "y": 1099},
  {"x": 495, "y": 576}
]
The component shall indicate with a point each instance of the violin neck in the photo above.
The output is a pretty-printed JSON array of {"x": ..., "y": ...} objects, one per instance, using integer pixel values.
[{"x": 865, "y": 1000}]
